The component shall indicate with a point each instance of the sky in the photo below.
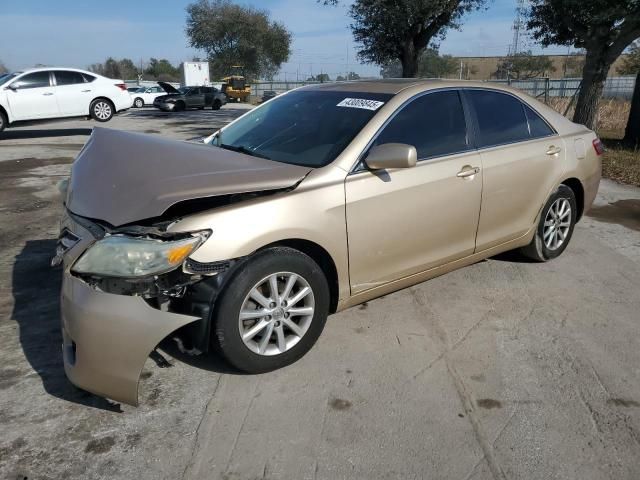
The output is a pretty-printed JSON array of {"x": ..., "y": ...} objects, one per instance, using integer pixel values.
[{"x": 79, "y": 33}]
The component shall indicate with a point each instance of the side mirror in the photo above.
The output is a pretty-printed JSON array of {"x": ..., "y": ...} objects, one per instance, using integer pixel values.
[
  {"x": 392, "y": 155},
  {"x": 12, "y": 87}
]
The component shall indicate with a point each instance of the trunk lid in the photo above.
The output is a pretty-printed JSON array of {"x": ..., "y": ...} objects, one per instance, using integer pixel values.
[{"x": 122, "y": 177}]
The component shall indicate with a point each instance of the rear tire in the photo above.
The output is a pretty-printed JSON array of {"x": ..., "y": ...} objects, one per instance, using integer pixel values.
[
  {"x": 101, "y": 110},
  {"x": 216, "y": 105},
  {"x": 3, "y": 121},
  {"x": 555, "y": 228},
  {"x": 290, "y": 329},
  {"x": 138, "y": 103}
]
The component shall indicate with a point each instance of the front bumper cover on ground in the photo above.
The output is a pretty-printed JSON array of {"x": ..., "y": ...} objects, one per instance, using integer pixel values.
[{"x": 107, "y": 338}]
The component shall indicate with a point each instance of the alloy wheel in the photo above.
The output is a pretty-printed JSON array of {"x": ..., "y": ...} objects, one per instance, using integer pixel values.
[
  {"x": 276, "y": 313},
  {"x": 102, "y": 110},
  {"x": 557, "y": 224}
]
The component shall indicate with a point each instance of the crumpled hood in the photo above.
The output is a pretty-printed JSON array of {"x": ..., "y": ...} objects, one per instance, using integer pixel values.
[{"x": 121, "y": 177}]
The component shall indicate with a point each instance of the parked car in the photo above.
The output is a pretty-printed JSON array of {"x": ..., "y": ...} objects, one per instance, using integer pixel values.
[
  {"x": 46, "y": 93},
  {"x": 146, "y": 95},
  {"x": 321, "y": 199},
  {"x": 189, "y": 97},
  {"x": 268, "y": 95}
]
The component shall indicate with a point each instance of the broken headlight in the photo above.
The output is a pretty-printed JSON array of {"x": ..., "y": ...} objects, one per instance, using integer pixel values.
[{"x": 130, "y": 257}]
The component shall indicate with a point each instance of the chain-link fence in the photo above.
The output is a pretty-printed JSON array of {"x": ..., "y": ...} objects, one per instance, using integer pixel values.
[
  {"x": 542, "y": 88},
  {"x": 545, "y": 88}
]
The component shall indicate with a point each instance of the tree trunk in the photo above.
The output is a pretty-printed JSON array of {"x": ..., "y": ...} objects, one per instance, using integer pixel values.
[
  {"x": 594, "y": 75},
  {"x": 632, "y": 133},
  {"x": 409, "y": 60}
]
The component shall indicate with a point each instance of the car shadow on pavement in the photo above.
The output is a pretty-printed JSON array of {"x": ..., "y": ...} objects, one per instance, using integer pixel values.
[
  {"x": 36, "y": 295},
  {"x": 44, "y": 133},
  {"x": 211, "y": 361}
]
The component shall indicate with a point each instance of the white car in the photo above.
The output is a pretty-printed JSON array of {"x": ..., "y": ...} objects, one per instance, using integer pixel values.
[
  {"x": 44, "y": 93},
  {"x": 145, "y": 95}
]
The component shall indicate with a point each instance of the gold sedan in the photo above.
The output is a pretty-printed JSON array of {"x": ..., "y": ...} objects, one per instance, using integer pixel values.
[{"x": 320, "y": 199}]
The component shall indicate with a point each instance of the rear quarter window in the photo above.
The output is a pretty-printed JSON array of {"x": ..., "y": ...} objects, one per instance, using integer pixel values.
[
  {"x": 537, "y": 126},
  {"x": 501, "y": 118}
]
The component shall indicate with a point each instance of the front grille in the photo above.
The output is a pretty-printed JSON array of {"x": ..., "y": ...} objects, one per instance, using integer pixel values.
[{"x": 193, "y": 266}]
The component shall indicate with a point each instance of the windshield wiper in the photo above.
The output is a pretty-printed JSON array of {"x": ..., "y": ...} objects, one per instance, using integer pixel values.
[{"x": 244, "y": 150}]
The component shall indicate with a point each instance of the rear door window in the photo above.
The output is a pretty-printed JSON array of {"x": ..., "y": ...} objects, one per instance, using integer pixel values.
[
  {"x": 537, "y": 126},
  {"x": 434, "y": 124},
  {"x": 65, "y": 77},
  {"x": 501, "y": 118},
  {"x": 32, "y": 80}
]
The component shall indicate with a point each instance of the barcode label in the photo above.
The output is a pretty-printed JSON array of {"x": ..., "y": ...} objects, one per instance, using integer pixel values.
[{"x": 360, "y": 103}]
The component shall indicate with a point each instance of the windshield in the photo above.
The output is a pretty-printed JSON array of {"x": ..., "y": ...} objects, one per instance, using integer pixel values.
[
  {"x": 309, "y": 128},
  {"x": 4, "y": 78},
  {"x": 184, "y": 90},
  {"x": 137, "y": 89}
]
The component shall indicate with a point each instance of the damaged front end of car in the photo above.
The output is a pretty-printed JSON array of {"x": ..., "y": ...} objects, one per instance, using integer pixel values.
[{"x": 129, "y": 280}]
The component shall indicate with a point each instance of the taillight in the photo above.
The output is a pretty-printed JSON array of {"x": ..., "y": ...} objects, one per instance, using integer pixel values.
[
  {"x": 121, "y": 86},
  {"x": 598, "y": 146}
]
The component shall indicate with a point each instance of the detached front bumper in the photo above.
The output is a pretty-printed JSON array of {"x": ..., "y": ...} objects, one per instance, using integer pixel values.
[{"x": 107, "y": 337}]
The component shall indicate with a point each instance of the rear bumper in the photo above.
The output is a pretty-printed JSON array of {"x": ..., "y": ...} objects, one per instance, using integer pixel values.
[{"x": 123, "y": 101}]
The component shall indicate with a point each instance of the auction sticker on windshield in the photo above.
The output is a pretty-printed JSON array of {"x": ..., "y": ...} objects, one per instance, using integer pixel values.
[{"x": 360, "y": 103}]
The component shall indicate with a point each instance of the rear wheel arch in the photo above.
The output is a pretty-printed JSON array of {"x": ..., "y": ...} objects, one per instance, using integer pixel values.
[{"x": 578, "y": 190}]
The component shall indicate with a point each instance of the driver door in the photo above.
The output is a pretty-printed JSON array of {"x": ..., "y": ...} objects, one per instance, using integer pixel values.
[
  {"x": 32, "y": 96},
  {"x": 407, "y": 220}
]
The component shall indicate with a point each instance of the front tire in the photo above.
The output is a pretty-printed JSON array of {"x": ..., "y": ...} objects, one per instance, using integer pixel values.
[
  {"x": 180, "y": 106},
  {"x": 138, "y": 103},
  {"x": 101, "y": 110},
  {"x": 555, "y": 228},
  {"x": 272, "y": 311},
  {"x": 216, "y": 105}
]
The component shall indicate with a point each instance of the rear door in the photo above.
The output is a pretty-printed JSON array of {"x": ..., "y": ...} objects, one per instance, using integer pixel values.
[
  {"x": 73, "y": 94},
  {"x": 195, "y": 98},
  {"x": 407, "y": 220},
  {"x": 521, "y": 157},
  {"x": 32, "y": 96}
]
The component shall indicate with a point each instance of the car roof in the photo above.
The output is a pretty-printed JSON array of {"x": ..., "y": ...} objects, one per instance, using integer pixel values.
[
  {"x": 394, "y": 86},
  {"x": 40, "y": 69}
]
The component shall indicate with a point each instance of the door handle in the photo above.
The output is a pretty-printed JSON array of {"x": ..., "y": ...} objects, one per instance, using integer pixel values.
[
  {"x": 85, "y": 91},
  {"x": 553, "y": 150},
  {"x": 47, "y": 94},
  {"x": 467, "y": 171}
]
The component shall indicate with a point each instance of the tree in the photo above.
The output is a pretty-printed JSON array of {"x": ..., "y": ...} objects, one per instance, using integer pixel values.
[
  {"x": 430, "y": 64},
  {"x": 128, "y": 70},
  {"x": 121, "y": 69},
  {"x": 350, "y": 76},
  {"x": 631, "y": 63},
  {"x": 162, "y": 70},
  {"x": 632, "y": 132},
  {"x": 3, "y": 68},
  {"x": 232, "y": 34},
  {"x": 390, "y": 30},
  {"x": 524, "y": 65},
  {"x": 321, "y": 77},
  {"x": 603, "y": 28}
]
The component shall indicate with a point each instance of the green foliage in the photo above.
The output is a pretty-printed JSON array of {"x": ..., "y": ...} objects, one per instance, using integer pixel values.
[
  {"x": 121, "y": 69},
  {"x": 631, "y": 63},
  {"x": 400, "y": 30},
  {"x": 524, "y": 65},
  {"x": 233, "y": 34},
  {"x": 162, "y": 70},
  {"x": 430, "y": 65},
  {"x": 350, "y": 76},
  {"x": 321, "y": 77},
  {"x": 3, "y": 68}
]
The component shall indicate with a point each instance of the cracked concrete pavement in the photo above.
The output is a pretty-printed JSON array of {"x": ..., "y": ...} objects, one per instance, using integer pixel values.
[{"x": 501, "y": 370}]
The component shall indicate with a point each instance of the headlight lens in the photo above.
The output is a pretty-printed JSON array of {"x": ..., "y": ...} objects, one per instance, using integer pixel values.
[{"x": 124, "y": 256}]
